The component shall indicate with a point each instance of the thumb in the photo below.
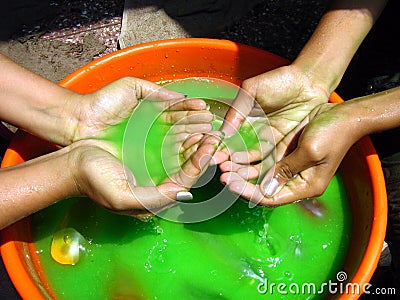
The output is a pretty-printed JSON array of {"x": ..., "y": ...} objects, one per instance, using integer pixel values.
[{"x": 285, "y": 170}]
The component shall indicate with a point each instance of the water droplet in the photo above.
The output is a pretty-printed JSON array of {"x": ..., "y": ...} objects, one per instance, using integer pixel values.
[
  {"x": 288, "y": 275},
  {"x": 159, "y": 230}
]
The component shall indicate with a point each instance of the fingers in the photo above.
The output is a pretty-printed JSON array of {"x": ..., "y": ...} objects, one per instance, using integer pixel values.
[
  {"x": 296, "y": 189},
  {"x": 190, "y": 146},
  {"x": 293, "y": 178},
  {"x": 307, "y": 185},
  {"x": 171, "y": 100},
  {"x": 242, "y": 187},
  {"x": 253, "y": 155},
  {"x": 198, "y": 162},
  {"x": 236, "y": 114},
  {"x": 155, "y": 198},
  {"x": 246, "y": 172},
  {"x": 187, "y": 117},
  {"x": 220, "y": 156},
  {"x": 190, "y": 128},
  {"x": 285, "y": 170},
  {"x": 296, "y": 177},
  {"x": 144, "y": 89},
  {"x": 186, "y": 104}
]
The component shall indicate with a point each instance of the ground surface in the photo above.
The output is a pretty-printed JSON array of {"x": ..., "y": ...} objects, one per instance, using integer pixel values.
[{"x": 60, "y": 36}]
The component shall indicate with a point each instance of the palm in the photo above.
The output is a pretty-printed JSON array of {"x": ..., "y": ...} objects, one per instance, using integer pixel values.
[
  {"x": 102, "y": 116},
  {"x": 110, "y": 106},
  {"x": 286, "y": 96}
]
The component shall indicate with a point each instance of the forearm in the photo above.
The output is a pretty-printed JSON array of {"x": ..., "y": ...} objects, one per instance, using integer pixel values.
[
  {"x": 336, "y": 39},
  {"x": 34, "y": 185},
  {"x": 374, "y": 113},
  {"x": 34, "y": 103}
]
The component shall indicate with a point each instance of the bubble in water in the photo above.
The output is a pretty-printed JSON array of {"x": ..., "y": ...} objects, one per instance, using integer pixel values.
[
  {"x": 297, "y": 244},
  {"x": 159, "y": 230},
  {"x": 66, "y": 246},
  {"x": 288, "y": 275}
]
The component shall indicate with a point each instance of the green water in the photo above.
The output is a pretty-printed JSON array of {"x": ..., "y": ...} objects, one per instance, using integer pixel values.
[{"x": 226, "y": 257}]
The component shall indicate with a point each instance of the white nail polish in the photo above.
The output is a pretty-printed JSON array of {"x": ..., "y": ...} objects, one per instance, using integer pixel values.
[
  {"x": 184, "y": 196},
  {"x": 271, "y": 188}
]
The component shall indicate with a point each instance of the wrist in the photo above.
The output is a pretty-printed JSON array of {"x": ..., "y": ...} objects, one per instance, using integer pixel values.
[
  {"x": 320, "y": 73},
  {"x": 75, "y": 156},
  {"x": 376, "y": 112},
  {"x": 70, "y": 123},
  {"x": 336, "y": 39}
]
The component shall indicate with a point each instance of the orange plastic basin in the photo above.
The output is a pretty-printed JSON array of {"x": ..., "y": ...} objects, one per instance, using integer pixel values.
[{"x": 182, "y": 58}]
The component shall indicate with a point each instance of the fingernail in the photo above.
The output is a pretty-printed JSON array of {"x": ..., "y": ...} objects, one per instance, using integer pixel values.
[
  {"x": 271, "y": 188},
  {"x": 184, "y": 196}
]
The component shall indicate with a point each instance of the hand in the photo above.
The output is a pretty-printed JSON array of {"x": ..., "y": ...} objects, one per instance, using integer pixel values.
[
  {"x": 256, "y": 154},
  {"x": 186, "y": 121},
  {"x": 287, "y": 95},
  {"x": 326, "y": 135},
  {"x": 100, "y": 176},
  {"x": 114, "y": 103}
]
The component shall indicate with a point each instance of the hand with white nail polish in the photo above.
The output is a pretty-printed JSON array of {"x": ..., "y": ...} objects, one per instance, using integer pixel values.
[
  {"x": 187, "y": 126},
  {"x": 322, "y": 140},
  {"x": 99, "y": 175},
  {"x": 89, "y": 163}
]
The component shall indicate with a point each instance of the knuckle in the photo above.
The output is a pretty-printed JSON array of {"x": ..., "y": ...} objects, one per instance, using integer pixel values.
[
  {"x": 285, "y": 171},
  {"x": 248, "y": 85},
  {"x": 318, "y": 187},
  {"x": 313, "y": 153}
]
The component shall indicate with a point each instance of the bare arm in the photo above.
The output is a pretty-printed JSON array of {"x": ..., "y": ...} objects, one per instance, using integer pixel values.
[
  {"x": 316, "y": 158},
  {"x": 331, "y": 130},
  {"x": 88, "y": 165},
  {"x": 31, "y": 186},
  {"x": 36, "y": 104},
  {"x": 294, "y": 90},
  {"x": 336, "y": 39}
]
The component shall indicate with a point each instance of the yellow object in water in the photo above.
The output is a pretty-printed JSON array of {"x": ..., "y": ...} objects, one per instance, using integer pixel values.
[{"x": 66, "y": 245}]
